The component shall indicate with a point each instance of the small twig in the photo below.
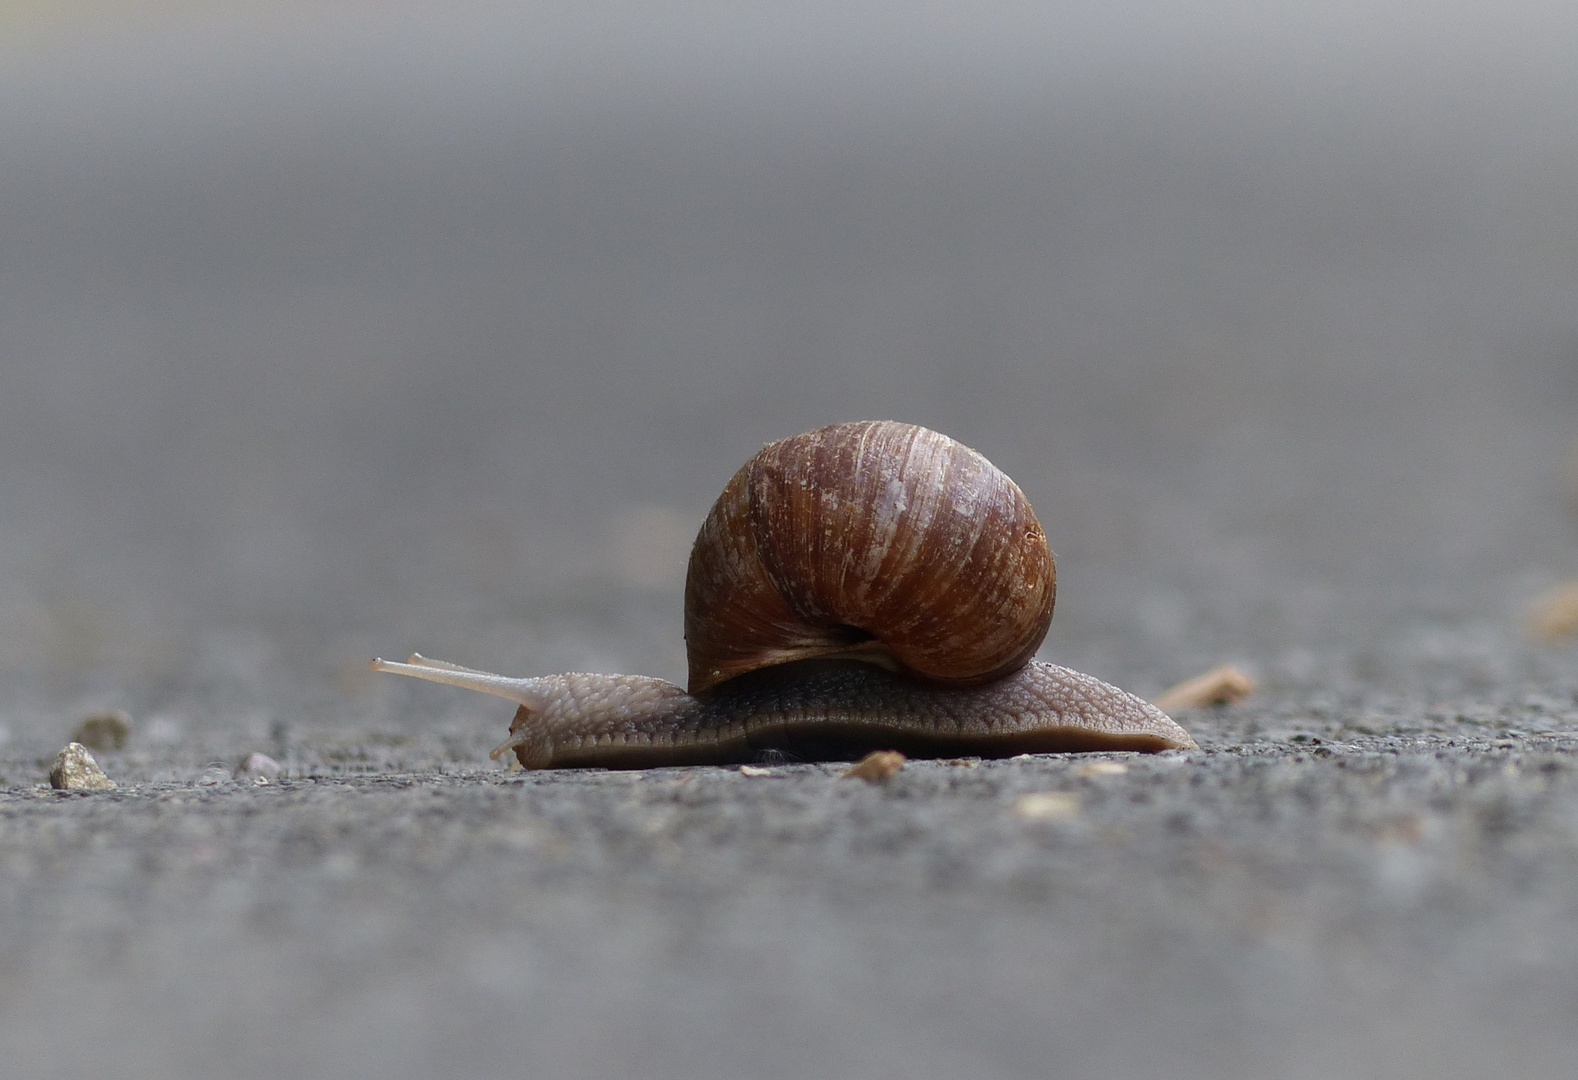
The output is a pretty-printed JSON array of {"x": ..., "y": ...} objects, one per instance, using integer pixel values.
[{"x": 1226, "y": 685}]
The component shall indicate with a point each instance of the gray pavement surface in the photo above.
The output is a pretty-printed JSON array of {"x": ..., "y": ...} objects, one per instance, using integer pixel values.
[{"x": 329, "y": 331}]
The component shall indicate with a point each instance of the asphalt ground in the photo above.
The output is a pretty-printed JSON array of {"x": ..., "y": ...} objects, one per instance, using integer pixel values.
[{"x": 329, "y": 332}]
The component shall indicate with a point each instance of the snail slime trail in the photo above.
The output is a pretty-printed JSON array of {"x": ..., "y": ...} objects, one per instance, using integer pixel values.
[{"x": 864, "y": 586}]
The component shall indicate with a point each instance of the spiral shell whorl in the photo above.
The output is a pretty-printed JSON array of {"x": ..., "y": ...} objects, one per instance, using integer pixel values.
[{"x": 876, "y": 539}]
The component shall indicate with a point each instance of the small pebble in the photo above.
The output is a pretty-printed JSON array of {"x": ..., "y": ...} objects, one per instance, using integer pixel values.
[
  {"x": 1101, "y": 768},
  {"x": 104, "y": 731},
  {"x": 259, "y": 768},
  {"x": 1225, "y": 685},
  {"x": 1047, "y": 806},
  {"x": 75, "y": 770},
  {"x": 877, "y": 765}
]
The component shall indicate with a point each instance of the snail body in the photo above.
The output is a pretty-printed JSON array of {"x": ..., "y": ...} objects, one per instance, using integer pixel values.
[{"x": 863, "y": 586}]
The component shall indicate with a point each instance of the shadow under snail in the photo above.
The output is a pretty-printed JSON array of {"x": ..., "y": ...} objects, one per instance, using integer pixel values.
[{"x": 863, "y": 586}]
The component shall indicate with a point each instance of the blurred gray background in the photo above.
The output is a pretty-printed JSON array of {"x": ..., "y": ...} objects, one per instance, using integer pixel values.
[{"x": 333, "y": 330}]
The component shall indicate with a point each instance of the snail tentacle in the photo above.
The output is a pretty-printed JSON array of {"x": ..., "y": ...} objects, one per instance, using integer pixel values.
[{"x": 529, "y": 693}]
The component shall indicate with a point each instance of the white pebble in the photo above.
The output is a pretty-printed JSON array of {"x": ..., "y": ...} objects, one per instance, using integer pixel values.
[{"x": 75, "y": 770}]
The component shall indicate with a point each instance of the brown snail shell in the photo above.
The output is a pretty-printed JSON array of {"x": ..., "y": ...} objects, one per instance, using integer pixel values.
[{"x": 874, "y": 540}]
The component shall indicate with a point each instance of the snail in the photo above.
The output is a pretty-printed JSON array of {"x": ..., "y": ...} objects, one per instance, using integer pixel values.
[{"x": 863, "y": 586}]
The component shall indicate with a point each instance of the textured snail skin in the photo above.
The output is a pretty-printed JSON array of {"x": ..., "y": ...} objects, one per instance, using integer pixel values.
[{"x": 826, "y": 710}]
